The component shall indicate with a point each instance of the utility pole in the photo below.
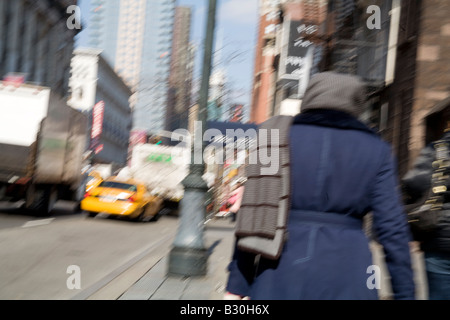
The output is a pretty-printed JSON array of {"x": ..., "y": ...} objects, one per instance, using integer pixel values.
[{"x": 189, "y": 257}]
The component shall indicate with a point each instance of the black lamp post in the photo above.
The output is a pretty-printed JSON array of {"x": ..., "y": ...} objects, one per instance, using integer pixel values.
[{"x": 189, "y": 257}]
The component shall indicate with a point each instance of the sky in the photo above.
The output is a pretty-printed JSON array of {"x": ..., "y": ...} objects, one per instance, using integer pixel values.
[{"x": 236, "y": 32}]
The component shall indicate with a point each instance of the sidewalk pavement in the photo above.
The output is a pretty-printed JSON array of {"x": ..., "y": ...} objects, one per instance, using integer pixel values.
[{"x": 145, "y": 278}]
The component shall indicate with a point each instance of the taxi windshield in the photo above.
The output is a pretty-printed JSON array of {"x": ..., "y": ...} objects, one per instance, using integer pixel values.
[{"x": 118, "y": 185}]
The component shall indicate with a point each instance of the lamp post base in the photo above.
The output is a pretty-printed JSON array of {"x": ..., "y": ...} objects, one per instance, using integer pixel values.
[
  {"x": 189, "y": 255},
  {"x": 188, "y": 262}
]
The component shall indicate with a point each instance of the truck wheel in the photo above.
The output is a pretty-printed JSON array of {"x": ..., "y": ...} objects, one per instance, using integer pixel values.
[
  {"x": 52, "y": 199},
  {"x": 2, "y": 191},
  {"x": 41, "y": 199},
  {"x": 77, "y": 207}
]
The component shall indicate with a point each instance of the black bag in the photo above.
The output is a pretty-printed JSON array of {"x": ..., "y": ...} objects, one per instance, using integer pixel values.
[{"x": 424, "y": 219}]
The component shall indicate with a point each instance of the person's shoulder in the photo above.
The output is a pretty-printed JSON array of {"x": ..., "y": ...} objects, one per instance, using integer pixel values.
[
  {"x": 375, "y": 139},
  {"x": 279, "y": 121}
]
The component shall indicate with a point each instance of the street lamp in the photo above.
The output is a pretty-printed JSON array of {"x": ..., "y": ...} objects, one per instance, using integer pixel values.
[{"x": 189, "y": 256}]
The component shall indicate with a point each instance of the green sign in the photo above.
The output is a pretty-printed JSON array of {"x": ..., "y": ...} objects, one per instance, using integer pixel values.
[
  {"x": 159, "y": 157},
  {"x": 53, "y": 144}
]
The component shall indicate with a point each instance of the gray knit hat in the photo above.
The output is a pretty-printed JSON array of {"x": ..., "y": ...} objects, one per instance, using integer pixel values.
[{"x": 335, "y": 91}]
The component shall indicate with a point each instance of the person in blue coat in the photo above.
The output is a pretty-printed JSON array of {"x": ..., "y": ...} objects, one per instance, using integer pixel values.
[{"x": 339, "y": 171}]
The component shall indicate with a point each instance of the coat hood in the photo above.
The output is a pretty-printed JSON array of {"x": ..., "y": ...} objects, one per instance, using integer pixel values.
[{"x": 334, "y": 91}]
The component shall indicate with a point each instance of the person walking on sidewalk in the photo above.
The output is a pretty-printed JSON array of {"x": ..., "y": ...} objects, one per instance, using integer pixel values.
[
  {"x": 436, "y": 243},
  {"x": 299, "y": 230},
  {"x": 236, "y": 198}
]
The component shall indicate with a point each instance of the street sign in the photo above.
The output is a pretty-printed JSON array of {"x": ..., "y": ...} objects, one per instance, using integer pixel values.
[
  {"x": 97, "y": 119},
  {"x": 97, "y": 126}
]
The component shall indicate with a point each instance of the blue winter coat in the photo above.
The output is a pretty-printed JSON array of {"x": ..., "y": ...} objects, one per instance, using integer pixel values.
[{"x": 340, "y": 171}]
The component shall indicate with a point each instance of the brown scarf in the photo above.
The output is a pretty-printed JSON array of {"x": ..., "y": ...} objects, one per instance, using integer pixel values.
[{"x": 261, "y": 225}]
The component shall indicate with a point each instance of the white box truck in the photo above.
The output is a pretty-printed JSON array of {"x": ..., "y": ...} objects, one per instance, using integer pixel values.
[
  {"x": 42, "y": 144},
  {"x": 162, "y": 169}
]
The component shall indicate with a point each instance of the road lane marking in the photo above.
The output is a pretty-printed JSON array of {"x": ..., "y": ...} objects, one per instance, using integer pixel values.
[{"x": 38, "y": 223}]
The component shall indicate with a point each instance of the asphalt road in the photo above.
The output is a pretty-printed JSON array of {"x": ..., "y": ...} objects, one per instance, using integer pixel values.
[{"x": 38, "y": 255}]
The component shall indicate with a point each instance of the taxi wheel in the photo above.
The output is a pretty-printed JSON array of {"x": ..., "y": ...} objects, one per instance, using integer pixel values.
[
  {"x": 144, "y": 218},
  {"x": 140, "y": 217},
  {"x": 91, "y": 214},
  {"x": 154, "y": 218}
]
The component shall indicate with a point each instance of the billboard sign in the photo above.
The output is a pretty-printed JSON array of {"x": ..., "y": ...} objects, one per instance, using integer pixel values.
[
  {"x": 14, "y": 79},
  {"x": 297, "y": 57},
  {"x": 97, "y": 119},
  {"x": 298, "y": 47},
  {"x": 97, "y": 126},
  {"x": 99, "y": 149}
]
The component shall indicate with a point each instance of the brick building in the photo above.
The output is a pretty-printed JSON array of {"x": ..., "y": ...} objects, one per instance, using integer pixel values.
[
  {"x": 432, "y": 85},
  {"x": 405, "y": 63},
  {"x": 284, "y": 59},
  {"x": 414, "y": 108},
  {"x": 263, "y": 77}
]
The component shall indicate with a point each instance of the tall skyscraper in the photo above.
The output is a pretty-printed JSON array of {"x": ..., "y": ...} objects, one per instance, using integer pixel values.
[
  {"x": 102, "y": 27},
  {"x": 136, "y": 38},
  {"x": 181, "y": 71}
]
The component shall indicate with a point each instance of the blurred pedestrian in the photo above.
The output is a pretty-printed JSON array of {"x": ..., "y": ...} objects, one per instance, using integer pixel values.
[
  {"x": 435, "y": 244},
  {"x": 299, "y": 231},
  {"x": 236, "y": 198}
]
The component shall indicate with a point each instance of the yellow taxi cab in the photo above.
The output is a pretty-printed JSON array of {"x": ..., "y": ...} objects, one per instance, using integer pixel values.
[{"x": 124, "y": 198}]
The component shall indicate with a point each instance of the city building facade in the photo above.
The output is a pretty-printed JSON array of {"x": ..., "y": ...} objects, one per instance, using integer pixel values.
[
  {"x": 94, "y": 84},
  {"x": 264, "y": 73},
  {"x": 404, "y": 62},
  {"x": 217, "y": 99},
  {"x": 285, "y": 57},
  {"x": 103, "y": 27},
  {"x": 297, "y": 56},
  {"x": 136, "y": 36},
  {"x": 35, "y": 42},
  {"x": 417, "y": 106},
  {"x": 399, "y": 48},
  {"x": 181, "y": 72}
]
